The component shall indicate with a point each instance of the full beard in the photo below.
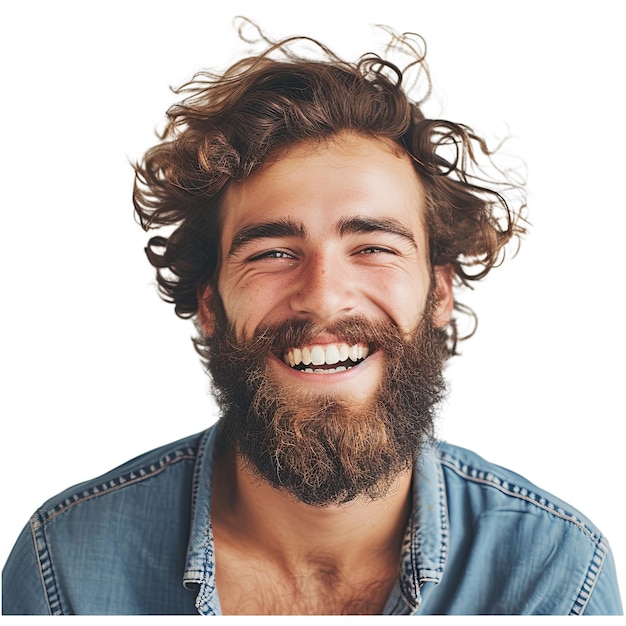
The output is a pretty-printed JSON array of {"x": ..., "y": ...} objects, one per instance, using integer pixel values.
[{"x": 318, "y": 447}]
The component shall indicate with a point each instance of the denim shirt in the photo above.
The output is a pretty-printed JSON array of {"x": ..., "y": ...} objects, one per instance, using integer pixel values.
[{"x": 138, "y": 540}]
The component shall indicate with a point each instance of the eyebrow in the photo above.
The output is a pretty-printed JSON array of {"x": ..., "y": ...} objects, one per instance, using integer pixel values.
[
  {"x": 359, "y": 224},
  {"x": 288, "y": 227}
]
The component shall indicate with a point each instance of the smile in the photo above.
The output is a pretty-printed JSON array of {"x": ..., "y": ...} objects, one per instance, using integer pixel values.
[{"x": 320, "y": 359}]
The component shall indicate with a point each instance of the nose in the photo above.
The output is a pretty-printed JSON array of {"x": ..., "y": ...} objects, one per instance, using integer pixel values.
[{"x": 325, "y": 289}]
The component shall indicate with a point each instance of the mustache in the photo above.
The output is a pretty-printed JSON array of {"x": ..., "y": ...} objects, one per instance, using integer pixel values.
[{"x": 281, "y": 336}]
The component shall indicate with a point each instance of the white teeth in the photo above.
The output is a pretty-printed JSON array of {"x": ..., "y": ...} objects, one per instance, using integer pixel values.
[
  {"x": 341, "y": 368},
  {"x": 317, "y": 355},
  {"x": 332, "y": 355},
  {"x": 325, "y": 355},
  {"x": 297, "y": 356}
]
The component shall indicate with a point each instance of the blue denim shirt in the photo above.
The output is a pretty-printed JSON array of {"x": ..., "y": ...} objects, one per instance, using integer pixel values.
[{"x": 480, "y": 540}]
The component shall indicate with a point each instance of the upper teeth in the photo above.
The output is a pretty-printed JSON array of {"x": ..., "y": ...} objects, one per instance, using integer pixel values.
[{"x": 325, "y": 355}]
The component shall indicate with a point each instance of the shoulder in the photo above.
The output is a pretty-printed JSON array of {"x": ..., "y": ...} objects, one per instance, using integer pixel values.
[
  {"x": 465, "y": 466},
  {"x": 502, "y": 523},
  {"x": 146, "y": 467},
  {"x": 157, "y": 465},
  {"x": 489, "y": 488},
  {"x": 84, "y": 550}
]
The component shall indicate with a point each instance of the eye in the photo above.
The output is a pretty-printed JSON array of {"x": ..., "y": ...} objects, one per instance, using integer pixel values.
[
  {"x": 376, "y": 250},
  {"x": 272, "y": 254}
]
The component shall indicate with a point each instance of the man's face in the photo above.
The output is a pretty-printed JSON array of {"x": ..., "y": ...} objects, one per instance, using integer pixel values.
[
  {"x": 323, "y": 353},
  {"x": 327, "y": 232}
]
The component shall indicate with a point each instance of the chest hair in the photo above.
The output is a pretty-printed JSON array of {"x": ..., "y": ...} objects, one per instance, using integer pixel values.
[{"x": 315, "y": 587}]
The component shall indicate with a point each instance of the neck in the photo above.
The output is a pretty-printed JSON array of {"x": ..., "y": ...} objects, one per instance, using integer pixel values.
[{"x": 271, "y": 520}]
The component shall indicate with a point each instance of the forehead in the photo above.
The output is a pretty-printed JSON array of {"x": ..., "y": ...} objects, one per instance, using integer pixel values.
[{"x": 320, "y": 183}]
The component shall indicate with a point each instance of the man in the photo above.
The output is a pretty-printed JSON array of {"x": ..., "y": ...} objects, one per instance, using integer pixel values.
[{"x": 322, "y": 223}]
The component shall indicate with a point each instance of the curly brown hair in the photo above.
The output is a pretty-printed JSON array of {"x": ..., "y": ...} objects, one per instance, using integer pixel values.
[{"x": 228, "y": 124}]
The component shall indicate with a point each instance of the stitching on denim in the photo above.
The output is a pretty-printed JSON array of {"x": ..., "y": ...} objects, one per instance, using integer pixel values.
[
  {"x": 46, "y": 570},
  {"x": 409, "y": 587},
  {"x": 41, "y": 518},
  {"x": 196, "y": 575},
  {"x": 411, "y": 580},
  {"x": 507, "y": 487},
  {"x": 591, "y": 580},
  {"x": 511, "y": 489},
  {"x": 195, "y": 485},
  {"x": 443, "y": 527},
  {"x": 125, "y": 480},
  {"x": 445, "y": 522},
  {"x": 46, "y": 573}
]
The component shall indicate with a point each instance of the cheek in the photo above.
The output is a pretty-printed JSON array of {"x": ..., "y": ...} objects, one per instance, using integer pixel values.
[
  {"x": 403, "y": 301},
  {"x": 248, "y": 306}
]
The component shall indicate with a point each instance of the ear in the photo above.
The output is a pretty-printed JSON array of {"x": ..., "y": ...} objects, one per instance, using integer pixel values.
[
  {"x": 444, "y": 295},
  {"x": 206, "y": 313}
]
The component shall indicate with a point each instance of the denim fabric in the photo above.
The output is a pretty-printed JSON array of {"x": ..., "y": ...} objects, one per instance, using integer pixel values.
[{"x": 481, "y": 540}]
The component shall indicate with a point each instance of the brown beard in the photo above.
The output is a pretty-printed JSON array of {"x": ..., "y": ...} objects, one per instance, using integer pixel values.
[{"x": 320, "y": 448}]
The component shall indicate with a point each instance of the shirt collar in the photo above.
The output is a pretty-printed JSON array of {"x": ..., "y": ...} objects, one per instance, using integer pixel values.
[
  {"x": 425, "y": 546},
  {"x": 200, "y": 565}
]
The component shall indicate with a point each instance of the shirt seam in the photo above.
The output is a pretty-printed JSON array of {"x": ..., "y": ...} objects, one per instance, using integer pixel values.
[
  {"x": 48, "y": 583},
  {"x": 195, "y": 575},
  {"x": 489, "y": 479},
  {"x": 131, "y": 477},
  {"x": 591, "y": 580},
  {"x": 601, "y": 550},
  {"x": 422, "y": 572},
  {"x": 43, "y": 517},
  {"x": 196, "y": 479}
]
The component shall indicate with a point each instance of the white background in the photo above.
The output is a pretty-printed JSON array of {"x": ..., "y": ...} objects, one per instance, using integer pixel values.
[{"x": 95, "y": 369}]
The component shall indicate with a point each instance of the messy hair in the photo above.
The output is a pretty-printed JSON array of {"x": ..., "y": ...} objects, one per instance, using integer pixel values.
[{"x": 228, "y": 124}]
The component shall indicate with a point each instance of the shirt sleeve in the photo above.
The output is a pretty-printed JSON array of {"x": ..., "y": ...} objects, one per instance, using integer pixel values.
[{"x": 22, "y": 586}]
